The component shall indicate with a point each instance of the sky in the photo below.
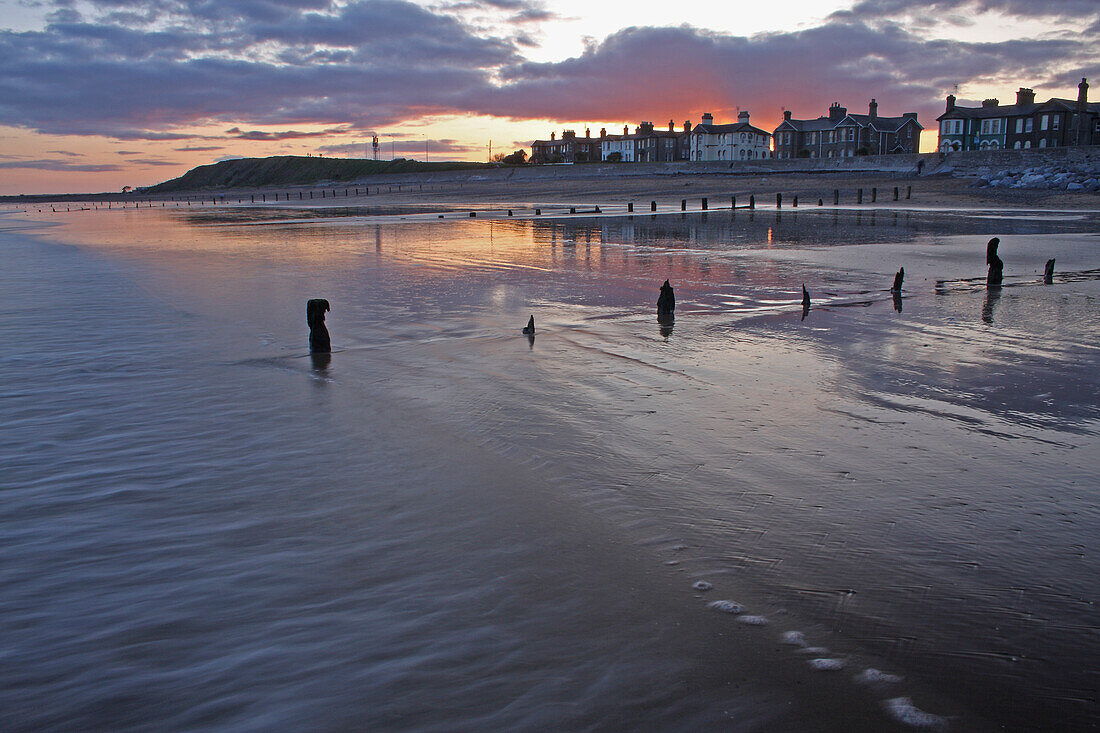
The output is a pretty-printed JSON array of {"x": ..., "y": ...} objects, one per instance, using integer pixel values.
[{"x": 100, "y": 94}]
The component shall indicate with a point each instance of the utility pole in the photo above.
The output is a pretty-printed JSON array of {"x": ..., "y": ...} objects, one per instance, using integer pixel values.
[{"x": 490, "y": 151}]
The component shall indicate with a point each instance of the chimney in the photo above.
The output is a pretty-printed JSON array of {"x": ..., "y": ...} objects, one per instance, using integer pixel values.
[
  {"x": 708, "y": 118},
  {"x": 950, "y": 102},
  {"x": 603, "y": 132},
  {"x": 568, "y": 135},
  {"x": 552, "y": 136},
  {"x": 911, "y": 115},
  {"x": 587, "y": 132},
  {"x": 786, "y": 114},
  {"x": 872, "y": 108},
  {"x": 743, "y": 116},
  {"x": 991, "y": 102},
  {"x": 1025, "y": 96},
  {"x": 626, "y": 129},
  {"x": 836, "y": 112},
  {"x": 1082, "y": 94},
  {"x": 687, "y": 126},
  {"x": 671, "y": 126}
]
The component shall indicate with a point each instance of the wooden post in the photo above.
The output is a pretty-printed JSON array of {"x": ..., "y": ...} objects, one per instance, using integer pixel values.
[
  {"x": 704, "y": 204},
  {"x": 253, "y": 200},
  {"x": 538, "y": 212},
  {"x": 820, "y": 202},
  {"x": 874, "y": 195},
  {"x": 908, "y": 191},
  {"x": 652, "y": 205},
  {"x": 473, "y": 214},
  {"x": 836, "y": 197},
  {"x": 895, "y": 193},
  {"x": 752, "y": 201},
  {"x": 683, "y": 204},
  {"x": 733, "y": 202},
  {"x": 779, "y": 201},
  {"x": 630, "y": 207},
  {"x": 509, "y": 212},
  {"x": 859, "y": 195},
  {"x": 795, "y": 202},
  {"x": 572, "y": 209}
]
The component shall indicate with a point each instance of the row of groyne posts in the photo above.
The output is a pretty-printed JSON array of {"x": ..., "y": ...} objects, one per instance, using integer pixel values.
[
  {"x": 252, "y": 198},
  {"x": 349, "y": 192},
  {"x": 705, "y": 203}
]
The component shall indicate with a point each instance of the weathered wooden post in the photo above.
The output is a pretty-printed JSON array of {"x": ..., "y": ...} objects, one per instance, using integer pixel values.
[
  {"x": 908, "y": 191},
  {"x": 795, "y": 202},
  {"x": 733, "y": 202},
  {"x": 473, "y": 214},
  {"x": 652, "y": 205},
  {"x": 572, "y": 209},
  {"x": 820, "y": 202},
  {"x": 895, "y": 193},
  {"x": 683, "y": 204},
  {"x": 752, "y": 201},
  {"x": 859, "y": 195},
  {"x": 779, "y": 201},
  {"x": 630, "y": 207},
  {"x": 252, "y": 201},
  {"x": 538, "y": 212},
  {"x": 704, "y": 204},
  {"x": 509, "y": 212},
  {"x": 836, "y": 197},
  {"x": 874, "y": 195}
]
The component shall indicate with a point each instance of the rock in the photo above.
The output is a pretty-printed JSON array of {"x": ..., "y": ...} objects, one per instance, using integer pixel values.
[{"x": 1075, "y": 187}]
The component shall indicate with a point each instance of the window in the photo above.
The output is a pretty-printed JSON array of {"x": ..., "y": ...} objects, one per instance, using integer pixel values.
[
  {"x": 851, "y": 133},
  {"x": 1017, "y": 145},
  {"x": 1029, "y": 124},
  {"x": 1019, "y": 126},
  {"x": 1055, "y": 119},
  {"x": 1027, "y": 143},
  {"x": 1043, "y": 143},
  {"x": 1043, "y": 122}
]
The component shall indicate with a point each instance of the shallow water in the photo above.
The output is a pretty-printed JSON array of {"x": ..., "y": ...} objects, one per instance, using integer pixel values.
[{"x": 449, "y": 527}]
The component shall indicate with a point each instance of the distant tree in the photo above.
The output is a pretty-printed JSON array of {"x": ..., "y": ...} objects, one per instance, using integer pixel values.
[
  {"x": 517, "y": 158},
  {"x": 498, "y": 158},
  {"x": 615, "y": 157},
  {"x": 127, "y": 189}
]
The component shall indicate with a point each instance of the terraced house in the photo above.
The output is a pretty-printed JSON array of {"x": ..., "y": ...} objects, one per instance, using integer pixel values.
[
  {"x": 1026, "y": 124},
  {"x": 569, "y": 149},
  {"x": 843, "y": 135}
]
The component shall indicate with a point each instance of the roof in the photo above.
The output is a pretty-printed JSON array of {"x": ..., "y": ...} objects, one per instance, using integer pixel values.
[
  {"x": 731, "y": 127},
  {"x": 883, "y": 124},
  {"x": 1016, "y": 110}
]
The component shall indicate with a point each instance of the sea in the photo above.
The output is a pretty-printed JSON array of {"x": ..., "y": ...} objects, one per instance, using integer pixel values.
[{"x": 879, "y": 513}]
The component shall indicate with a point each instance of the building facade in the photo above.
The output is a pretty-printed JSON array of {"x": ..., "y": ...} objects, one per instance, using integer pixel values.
[
  {"x": 569, "y": 149},
  {"x": 1026, "y": 124},
  {"x": 735, "y": 141},
  {"x": 843, "y": 135}
]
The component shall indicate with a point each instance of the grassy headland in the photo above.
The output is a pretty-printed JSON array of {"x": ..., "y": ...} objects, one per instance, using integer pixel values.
[{"x": 294, "y": 170}]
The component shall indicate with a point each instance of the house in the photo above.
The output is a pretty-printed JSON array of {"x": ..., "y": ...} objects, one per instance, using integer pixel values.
[
  {"x": 843, "y": 135},
  {"x": 647, "y": 144},
  {"x": 569, "y": 149},
  {"x": 734, "y": 141},
  {"x": 1026, "y": 124}
]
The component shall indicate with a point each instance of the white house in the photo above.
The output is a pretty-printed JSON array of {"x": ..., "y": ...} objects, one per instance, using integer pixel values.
[{"x": 736, "y": 141}]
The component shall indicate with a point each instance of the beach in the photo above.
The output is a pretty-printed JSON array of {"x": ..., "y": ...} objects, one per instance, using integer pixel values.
[{"x": 451, "y": 526}]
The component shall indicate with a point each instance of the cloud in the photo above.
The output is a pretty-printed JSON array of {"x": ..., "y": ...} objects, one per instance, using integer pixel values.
[
  {"x": 153, "y": 162},
  {"x": 1023, "y": 8},
  {"x": 59, "y": 165},
  {"x": 199, "y": 148},
  {"x": 689, "y": 69},
  {"x": 239, "y": 134},
  {"x": 138, "y": 69}
]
